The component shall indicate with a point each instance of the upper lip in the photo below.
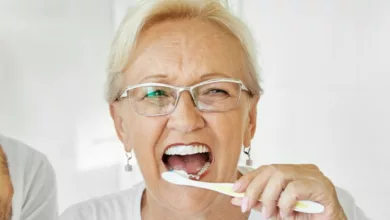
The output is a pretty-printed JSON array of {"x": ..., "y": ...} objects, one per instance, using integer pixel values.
[{"x": 186, "y": 144}]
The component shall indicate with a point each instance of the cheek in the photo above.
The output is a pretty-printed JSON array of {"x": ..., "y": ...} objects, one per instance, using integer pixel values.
[
  {"x": 143, "y": 134},
  {"x": 228, "y": 127},
  {"x": 229, "y": 133}
]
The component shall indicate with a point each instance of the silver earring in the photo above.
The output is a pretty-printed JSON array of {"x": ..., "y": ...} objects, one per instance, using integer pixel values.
[
  {"x": 128, "y": 166},
  {"x": 249, "y": 161}
]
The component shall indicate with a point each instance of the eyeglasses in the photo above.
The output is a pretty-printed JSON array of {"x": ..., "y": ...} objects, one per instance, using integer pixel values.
[{"x": 155, "y": 99}]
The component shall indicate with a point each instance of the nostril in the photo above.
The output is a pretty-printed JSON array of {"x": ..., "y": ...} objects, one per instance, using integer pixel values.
[{"x": 186, "y": 119}]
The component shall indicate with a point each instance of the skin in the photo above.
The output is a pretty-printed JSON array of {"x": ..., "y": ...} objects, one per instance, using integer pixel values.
[
  {"x": 279, "y": 187},
  {"x": 6, "y": 189},
  {"x": 186, "y": 52}
]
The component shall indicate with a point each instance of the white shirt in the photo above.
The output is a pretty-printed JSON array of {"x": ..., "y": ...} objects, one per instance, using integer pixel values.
[
  {"x": 33, "y": 180},
  {"x": 126, "y": 205}
]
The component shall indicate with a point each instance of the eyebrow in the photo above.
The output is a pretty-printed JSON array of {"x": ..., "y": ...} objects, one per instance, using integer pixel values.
[
  {"x": 154, "y": 78},
  {"x": 212, "y": 75},
  {"x": 158, "y": 77}
]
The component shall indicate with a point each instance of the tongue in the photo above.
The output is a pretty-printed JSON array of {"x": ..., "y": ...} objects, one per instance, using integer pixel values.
[{"x": 192, "y": 164}]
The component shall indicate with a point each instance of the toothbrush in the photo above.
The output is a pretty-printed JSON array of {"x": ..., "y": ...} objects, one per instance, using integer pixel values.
[{"x": 182, "y": 178}]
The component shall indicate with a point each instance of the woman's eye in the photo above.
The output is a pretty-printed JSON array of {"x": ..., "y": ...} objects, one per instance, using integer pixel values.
[
  {"x": 156, "y": 93},
  {"x": 215, "y": 91}
]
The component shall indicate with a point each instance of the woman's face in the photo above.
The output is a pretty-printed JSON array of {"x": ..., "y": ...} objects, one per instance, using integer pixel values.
[{"x": 184, "y": 53}]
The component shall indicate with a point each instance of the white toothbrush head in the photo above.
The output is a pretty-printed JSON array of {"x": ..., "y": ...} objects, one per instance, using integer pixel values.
[
  {"x": 178, "y": 177},
  {"x": 181, "y": 173}
]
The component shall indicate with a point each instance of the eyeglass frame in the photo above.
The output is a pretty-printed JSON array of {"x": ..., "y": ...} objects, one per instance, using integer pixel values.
[{"x": 180, "y": 89}]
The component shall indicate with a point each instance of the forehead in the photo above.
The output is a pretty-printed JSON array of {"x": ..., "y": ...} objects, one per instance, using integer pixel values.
[{"x": 184, "y": 51}]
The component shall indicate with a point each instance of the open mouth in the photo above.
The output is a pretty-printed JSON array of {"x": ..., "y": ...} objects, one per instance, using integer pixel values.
[{"x": 194, "y": 159}]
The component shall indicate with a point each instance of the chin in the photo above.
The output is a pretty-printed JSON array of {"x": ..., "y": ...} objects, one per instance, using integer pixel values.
[{"x": 188, "y": 200}]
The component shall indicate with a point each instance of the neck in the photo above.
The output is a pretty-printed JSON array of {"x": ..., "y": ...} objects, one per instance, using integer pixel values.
[{"x": 219, "y": 210}]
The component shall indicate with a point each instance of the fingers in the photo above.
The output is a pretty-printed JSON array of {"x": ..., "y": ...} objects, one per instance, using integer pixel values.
[
  {"x": 278, "y": 188},
  {"x": 241, "y": 184},
  {"x": 297, "y": 190},
  {"x": 238, "y": 202},
  {"x": 271, "y": 193},
  {"x": 253, "y": 185},
  {"x": 255, "y": 190}
]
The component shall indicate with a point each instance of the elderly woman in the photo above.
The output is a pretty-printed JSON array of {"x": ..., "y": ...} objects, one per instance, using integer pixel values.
[{"x": 183, "y": 87}]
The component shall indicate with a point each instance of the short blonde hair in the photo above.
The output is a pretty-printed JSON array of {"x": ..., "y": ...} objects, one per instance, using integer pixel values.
[{"x": 153, "y": 11}]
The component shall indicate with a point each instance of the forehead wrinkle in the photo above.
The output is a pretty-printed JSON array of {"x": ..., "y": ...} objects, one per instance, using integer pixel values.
[
  {"x": 207, "y": 55},
  {"x": 227, "y": 60},
  {"x": 152, "y": 58},
  {"x": 177, "y": 51}
]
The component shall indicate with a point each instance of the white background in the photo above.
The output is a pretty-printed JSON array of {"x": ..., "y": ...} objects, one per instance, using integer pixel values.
[{"x": 326, "y": 76}]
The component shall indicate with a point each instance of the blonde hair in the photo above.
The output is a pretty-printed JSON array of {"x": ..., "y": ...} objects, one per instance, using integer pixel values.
[{"x": 151, "y": 12}]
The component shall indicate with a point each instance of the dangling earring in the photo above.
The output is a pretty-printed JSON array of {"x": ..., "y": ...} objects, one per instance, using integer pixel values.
[
  {"x": 249, "y": 161},
  {"x": 128, "y": 166}
]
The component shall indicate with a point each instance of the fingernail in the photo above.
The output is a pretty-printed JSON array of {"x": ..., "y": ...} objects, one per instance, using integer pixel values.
[
  {"x": 236, "y": 201},
  {"x": 264, "y": 212},
  {"x": 282, "y": 215},
  {"x": 244, "y": 205},
  {"x": 236, "y": 186}
]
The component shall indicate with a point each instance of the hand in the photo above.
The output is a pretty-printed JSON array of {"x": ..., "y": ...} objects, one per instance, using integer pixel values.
[
  {"x": 6, "y": 189},
  {"x": 279, "y": 187}
]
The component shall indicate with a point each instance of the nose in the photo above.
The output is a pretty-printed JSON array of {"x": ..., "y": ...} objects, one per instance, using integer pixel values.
[{"x": 186, "y": 117}]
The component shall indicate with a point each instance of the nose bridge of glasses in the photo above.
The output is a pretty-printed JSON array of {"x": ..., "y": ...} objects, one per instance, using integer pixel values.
[{"x": 182, "y": 89}]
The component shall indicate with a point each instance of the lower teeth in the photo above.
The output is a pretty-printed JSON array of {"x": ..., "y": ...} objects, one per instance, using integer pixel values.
[{"x": 202, "y": 171}]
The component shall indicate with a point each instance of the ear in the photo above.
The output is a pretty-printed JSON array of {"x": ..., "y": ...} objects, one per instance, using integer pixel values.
[
  {"x": 250, "y": 129},
  {"x": 118, "y": 122}
]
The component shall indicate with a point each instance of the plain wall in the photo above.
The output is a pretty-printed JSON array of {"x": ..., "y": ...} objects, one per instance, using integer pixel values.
[
  {"x": 327, "y": 91},
  {"x": 326, "y": 79}
]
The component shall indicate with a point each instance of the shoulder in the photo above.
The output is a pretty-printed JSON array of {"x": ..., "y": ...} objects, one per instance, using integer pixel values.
[
  {"x": 120, "y": 205},
  {"x": 17, "y": 151},
  {"x": 25, "y": 163},
  {"x": 351, "y": 210},
  {"x": 23, "y": 159},
  {"x": 33, "y": 179}
]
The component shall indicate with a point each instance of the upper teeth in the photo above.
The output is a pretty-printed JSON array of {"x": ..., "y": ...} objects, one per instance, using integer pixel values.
[{"x": 186, "y": 150}]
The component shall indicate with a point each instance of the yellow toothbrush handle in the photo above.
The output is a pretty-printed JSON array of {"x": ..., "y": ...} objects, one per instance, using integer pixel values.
[{"x": 304, "y": 206}]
